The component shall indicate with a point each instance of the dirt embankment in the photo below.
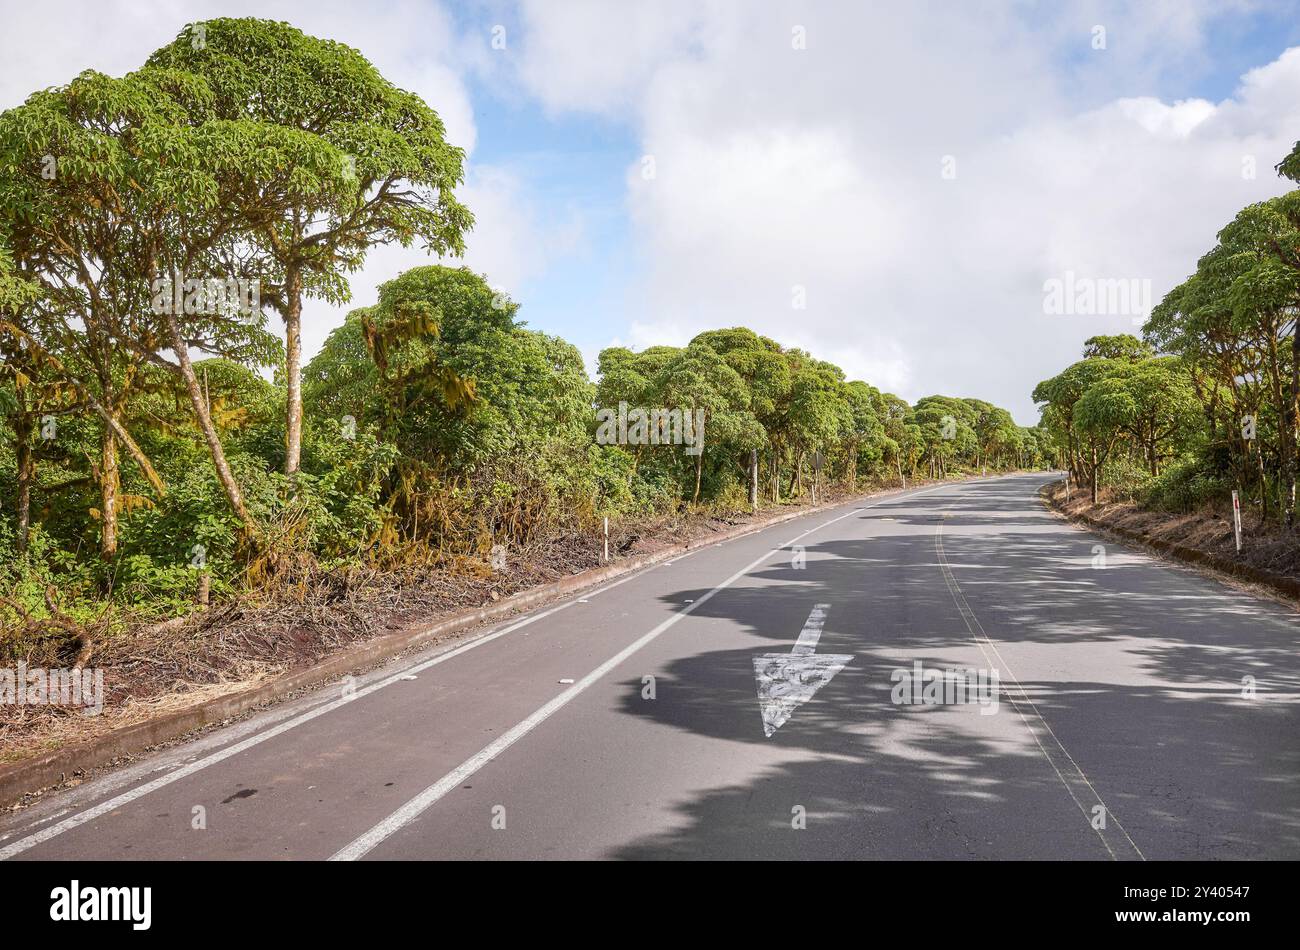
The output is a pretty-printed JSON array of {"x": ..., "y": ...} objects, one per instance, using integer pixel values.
[{"x": 1270, "y": 554}]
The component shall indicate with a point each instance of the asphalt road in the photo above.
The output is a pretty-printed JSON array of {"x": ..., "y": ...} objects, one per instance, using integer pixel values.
[{"x": 627, "y": 722}]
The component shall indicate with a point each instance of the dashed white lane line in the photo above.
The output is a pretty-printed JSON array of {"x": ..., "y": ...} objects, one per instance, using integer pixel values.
[
  {"x": 1071, "y": 775},
  {"x": 399, "y": 819}
]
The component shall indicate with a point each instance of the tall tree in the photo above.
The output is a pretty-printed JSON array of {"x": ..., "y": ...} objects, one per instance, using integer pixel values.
[
  {"x": 353, "y": 162},
  {"x": 72, "y": 164},
  {"x": 34, "y": 394}
]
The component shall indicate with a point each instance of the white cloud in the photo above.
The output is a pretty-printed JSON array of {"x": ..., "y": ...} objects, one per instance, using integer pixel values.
[
  {"x": 821, "y": 167},
  {"x": 1177, "y": 120},
  {"x": 589, "y": 55}
]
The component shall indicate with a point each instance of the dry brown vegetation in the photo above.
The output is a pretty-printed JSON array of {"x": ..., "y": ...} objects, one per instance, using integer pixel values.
[{"x": 1266, "y": 545}]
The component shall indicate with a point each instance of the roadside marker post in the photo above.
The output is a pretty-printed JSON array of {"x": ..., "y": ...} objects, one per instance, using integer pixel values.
[
  {"x": 1236, "y": 519},
  {"x": 817, "y": 461},
  {"x": 607, "y": 537}
]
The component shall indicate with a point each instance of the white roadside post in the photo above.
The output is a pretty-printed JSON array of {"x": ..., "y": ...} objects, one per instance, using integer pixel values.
[
  {"x": 607, "y": 537},
  {"x": 1236, "y": 519}
]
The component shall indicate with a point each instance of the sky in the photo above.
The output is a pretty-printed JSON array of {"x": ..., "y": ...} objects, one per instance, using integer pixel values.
[{"x": 890, "y": 186}]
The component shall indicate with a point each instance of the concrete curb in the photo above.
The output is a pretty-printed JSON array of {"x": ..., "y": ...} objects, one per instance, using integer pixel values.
[
  {"x": 1289, "y": 586},
  {"x": 53, "y": 768}
]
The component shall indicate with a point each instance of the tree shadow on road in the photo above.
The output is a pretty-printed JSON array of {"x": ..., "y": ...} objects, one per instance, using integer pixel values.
[{"x": 1136, "y": 668}]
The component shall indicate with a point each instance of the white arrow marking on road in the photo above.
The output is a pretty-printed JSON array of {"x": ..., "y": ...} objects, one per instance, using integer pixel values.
[{"x": 788, "y": 680}]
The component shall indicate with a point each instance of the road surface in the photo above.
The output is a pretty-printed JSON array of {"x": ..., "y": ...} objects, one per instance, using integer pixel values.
[{"x": 743, "y": 701}]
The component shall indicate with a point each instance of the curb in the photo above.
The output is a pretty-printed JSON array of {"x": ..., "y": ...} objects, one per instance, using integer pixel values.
[
  {"x": 1289, "y": 586},
  {"x": 54, "y": 768}
]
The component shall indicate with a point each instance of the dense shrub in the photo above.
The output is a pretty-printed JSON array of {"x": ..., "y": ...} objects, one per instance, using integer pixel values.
[{"x": 1189, "y": 484}]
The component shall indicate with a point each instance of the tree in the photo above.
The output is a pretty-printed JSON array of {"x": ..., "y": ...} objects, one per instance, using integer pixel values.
[
  {"x": 1124, "y": 346},
  {"x": 348, "y": 161},
  {"x": 864, "y": 437},
  {"x": 764, "y": 370},
  {"x": 701, "y": 384},
  {"x": 442, "y": 370},
  {"x": 1234, "y": 324},
  {"x": 148, "y": 203},
  {"x": 81, "y": 172},
  {"x": 33, "y": 395},
  {"x": 947, "y": 430},
  {"x": 1087, "y": 445},
  {"x": 1151, "y": 402}
]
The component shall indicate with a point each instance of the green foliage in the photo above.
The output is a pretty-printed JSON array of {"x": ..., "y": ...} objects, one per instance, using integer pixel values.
[
  {"x": 1226, "y": 391},
  {"x": 144, "y": 451},
  {"x": 1187, "y": 485}
]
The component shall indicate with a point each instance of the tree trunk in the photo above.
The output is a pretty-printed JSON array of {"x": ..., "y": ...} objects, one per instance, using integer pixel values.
[
  {"x": 1263, "y": 483},
  {"x": 1284, "y": 442},
  {"x": 753, "y": 479},
  {"x": 1095, "y": 473},
  {"x": 108, "y": 485},
  {"x": 110, "y": 421},
  {"x": 1291, "y": 438},
  {"x": 293, "y": 370},
  {"x": 699, "y": 470},
  {"x": 26, "y": 474},
  {"x": 224, "y": 475}
]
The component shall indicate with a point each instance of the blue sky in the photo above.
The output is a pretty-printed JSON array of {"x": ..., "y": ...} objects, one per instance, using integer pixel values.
[
  {"x": 1237, "y": 38},
  {"x": 570, "y": 162}
]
